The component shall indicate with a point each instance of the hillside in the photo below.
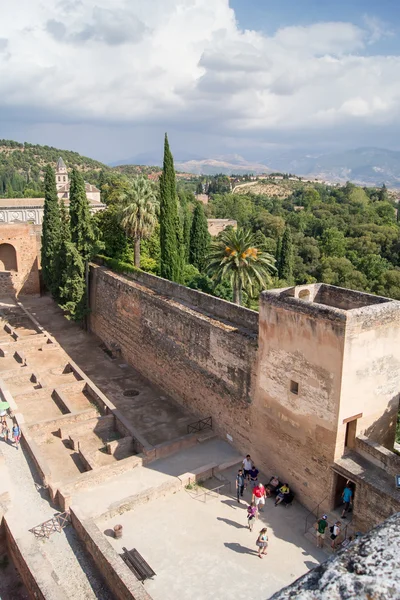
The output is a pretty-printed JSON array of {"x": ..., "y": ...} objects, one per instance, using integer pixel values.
[{"x": 21, "y": 166}]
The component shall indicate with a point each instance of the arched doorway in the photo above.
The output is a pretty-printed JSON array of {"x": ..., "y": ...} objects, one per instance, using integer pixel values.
[{"x": 8, "y": 258}]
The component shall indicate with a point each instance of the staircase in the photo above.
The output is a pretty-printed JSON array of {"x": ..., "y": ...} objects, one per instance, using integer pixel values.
[{"x": 347, "y": 529}]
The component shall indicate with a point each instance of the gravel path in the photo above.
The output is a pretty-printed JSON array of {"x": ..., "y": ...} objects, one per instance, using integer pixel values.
[{"x": 30, "y": 506}]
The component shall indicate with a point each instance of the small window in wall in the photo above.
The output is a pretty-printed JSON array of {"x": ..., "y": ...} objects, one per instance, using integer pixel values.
[
  {"x": 305, "y": 295},
  {"x": 64, "y": 178},
  {"x": 294, "y": 387}
]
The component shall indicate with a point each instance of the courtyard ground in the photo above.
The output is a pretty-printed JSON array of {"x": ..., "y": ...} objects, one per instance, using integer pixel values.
[{"x": 204, "y": 550}]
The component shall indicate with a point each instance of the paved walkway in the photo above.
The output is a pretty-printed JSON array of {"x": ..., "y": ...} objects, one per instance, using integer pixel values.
[
  {"x": 28, "y": 508},
  {"x": 99, "y": 500},
  {"x": 204, "y": 550}
]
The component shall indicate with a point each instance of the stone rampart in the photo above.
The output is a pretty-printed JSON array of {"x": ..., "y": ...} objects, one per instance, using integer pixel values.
[{"x": 165, "y": 330}]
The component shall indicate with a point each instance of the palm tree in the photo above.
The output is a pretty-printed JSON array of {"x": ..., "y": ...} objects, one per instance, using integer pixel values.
[
  {"x": 235, "y": 258},
  {"x": 138, "y": 212}
]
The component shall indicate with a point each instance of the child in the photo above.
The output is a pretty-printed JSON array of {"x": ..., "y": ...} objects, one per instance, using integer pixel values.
[
  {"x": 251, "y": 515},
  {"x": 5, "y": 432},
  {"x": 262, "y": 542},
  {"x": 16, "y": 433}
]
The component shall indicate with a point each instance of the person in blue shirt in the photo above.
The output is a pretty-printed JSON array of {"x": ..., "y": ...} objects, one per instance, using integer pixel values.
[{"x": 347, "y": 499}]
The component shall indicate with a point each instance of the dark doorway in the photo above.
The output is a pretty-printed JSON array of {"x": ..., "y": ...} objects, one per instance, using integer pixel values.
[
  {"x": 340, "y": 484},
  {"x": 351, "y": 432}
]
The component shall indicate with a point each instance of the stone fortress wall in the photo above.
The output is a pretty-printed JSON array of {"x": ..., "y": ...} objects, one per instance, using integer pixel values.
[
  {"x": 285, "y": 388},
  {"x": 19, "y": 272}
]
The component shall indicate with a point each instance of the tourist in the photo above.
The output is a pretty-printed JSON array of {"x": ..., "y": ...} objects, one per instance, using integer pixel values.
[
  {"x": 259, "y": 496},
  {"x": 320, "y": 526},
  {"x": 251, "y": 515},
  {"x": 347, "y": 499},
  {"x": 335, "y": 532},
  {"x": 272, "y": 486},
  {"x": 247, "y": 466},
  {"x": 262, "y": 542},
  {"x": 254, "y": 474},
  {"x": 239, "y": 485},
  {"x": 5, "y": 432},
  {"x": 16, "y": 433},
  {"x": 283, "y": 491}
]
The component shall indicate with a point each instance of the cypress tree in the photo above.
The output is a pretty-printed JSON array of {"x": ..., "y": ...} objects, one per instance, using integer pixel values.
[
  {"x": 199, "y": 238},
  {"x": 170, "y": 228},
  {"x": 51, "y": 231},
  {"x": 187, "y": 224},
  {"x": 72, "y": 294},
  {"x": 82, "y": 233},
  {"x": 285, "y": 265},
  {"x": 65, "y": 237}
]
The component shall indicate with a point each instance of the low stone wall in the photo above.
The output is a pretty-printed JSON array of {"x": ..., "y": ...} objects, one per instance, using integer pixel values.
[
  {"x": 35, "y": 570},
  {"x": 120, "y": 580},
  {"x": 379, "y": 455},
  {"x": 121, "y": 448}
]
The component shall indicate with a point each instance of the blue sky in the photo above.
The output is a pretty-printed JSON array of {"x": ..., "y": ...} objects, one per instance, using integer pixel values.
[
  {"x": 268, "y": 16},
  {"x": 250, "y": 77}
]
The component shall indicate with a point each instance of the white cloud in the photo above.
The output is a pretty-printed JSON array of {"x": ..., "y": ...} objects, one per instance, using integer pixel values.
[{"x": 187, "y": 62}]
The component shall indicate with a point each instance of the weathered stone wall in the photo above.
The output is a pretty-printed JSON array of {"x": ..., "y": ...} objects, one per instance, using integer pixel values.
[
  {"x": 121, "y": 581},
  {"x": 294, "y": 433},
  {"x": 206, "y": 363},
  {"x": 25, "y": 278}
]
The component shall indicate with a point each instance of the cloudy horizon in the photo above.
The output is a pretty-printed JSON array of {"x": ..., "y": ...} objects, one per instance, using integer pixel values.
[{"x": 107, "y": 78}]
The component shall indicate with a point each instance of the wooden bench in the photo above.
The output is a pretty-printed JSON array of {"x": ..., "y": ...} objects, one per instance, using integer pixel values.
[{"x": 137, "y": 564}]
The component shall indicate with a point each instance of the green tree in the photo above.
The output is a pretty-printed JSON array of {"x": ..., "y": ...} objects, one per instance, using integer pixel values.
[
  {"x": 72, "y": 294},
  {"x": 285, "y": 264},
  {"x": 61, "y": 260},
  {"x": 234, "y": 258},
  {"x": 199, "y": 238},
  {"x": 51, "y": 232},
  {"x": 170, "y": 234},
  {"x": 187, "y": 225},
  {"x": 138, "y": 213},
  {"x": 116, "y": 243},
  {"x": 333, "y": 242},
  {"x": 82, "y": 231}
]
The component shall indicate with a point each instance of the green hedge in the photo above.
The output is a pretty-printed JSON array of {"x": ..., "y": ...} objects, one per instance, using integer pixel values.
[{"x": 117, "y": 265}]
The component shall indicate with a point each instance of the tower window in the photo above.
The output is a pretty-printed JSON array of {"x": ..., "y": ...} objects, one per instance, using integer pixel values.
[
  {"x": 59, "y": 178},
  {"x": 294, "y": 387},
  {"x": 64, "y": 178}
]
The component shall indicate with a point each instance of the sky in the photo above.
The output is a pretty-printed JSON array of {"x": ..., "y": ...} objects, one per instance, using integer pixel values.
[{"x": 253, "y": 78}]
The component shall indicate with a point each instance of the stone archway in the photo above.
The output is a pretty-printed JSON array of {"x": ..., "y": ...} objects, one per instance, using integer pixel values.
[{"x": 8, "y": 258}]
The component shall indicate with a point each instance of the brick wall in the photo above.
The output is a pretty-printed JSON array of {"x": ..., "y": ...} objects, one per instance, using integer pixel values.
[
  {"x": 24, "y": 280},
  {"x": 207, "y": 364}
]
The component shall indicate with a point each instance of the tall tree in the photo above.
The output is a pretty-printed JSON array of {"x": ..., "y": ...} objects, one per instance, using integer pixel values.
[
  {"x": 170, "y": 234},
  {"x": 234, "y": 258},
  {"x": 51, "y": 231},
  {"x": 82, "y": 231},
  {"x": 138, "y": 213},
  {"x": 286, "y": 259},
  {"x": 72, "y": 293},
  {"x": 61, "y": 261},
  {"x": 199, "y": 238},
  {"x": 187, "y": 225}
]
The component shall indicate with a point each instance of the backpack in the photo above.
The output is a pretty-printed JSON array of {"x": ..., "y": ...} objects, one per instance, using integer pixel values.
[{"x": 331, "y": 528}]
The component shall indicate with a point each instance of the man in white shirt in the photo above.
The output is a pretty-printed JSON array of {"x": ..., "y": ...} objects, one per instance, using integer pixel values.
[{"x": 247, "y": 466}]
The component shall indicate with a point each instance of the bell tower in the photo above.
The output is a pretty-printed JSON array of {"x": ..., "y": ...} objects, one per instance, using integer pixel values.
[{"x": 61, "y": 174}]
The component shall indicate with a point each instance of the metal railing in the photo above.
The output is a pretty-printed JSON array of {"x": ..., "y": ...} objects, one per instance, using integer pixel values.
[
  {"x": 56, "y": 524},
  {"x": 200, "y": 425},
  {"x": 313, "y": 513}
]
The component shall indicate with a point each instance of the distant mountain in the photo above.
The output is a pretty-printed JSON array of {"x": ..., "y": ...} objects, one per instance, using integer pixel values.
[
  {"x": 230, "y": 164},
  {"x": 368, "y": 166}
]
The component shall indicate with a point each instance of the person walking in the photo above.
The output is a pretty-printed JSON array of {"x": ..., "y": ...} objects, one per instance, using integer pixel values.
[
  {"x": 259, "y": 496},
  {"x": 247, "y": 466},
  {"x": 335, "y": 532},
  {"x": 254, "y": 474},
  {"x": 251, "y": 515},
  {"x": 239, "y": 485},
  {"x": 262, "y": 542},
  {"x": 5, "y": 432},
  {"x": 16, "y": 433},
  {"x": 347, "y": 499},
  {"x": 321, "y": 526}
]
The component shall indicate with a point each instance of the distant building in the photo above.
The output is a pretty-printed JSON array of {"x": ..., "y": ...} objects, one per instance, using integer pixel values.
[
  {"x": 215, "y": 226},
  {"x": 63, "y": 185},
  {"x": 30, "y": 210}
]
